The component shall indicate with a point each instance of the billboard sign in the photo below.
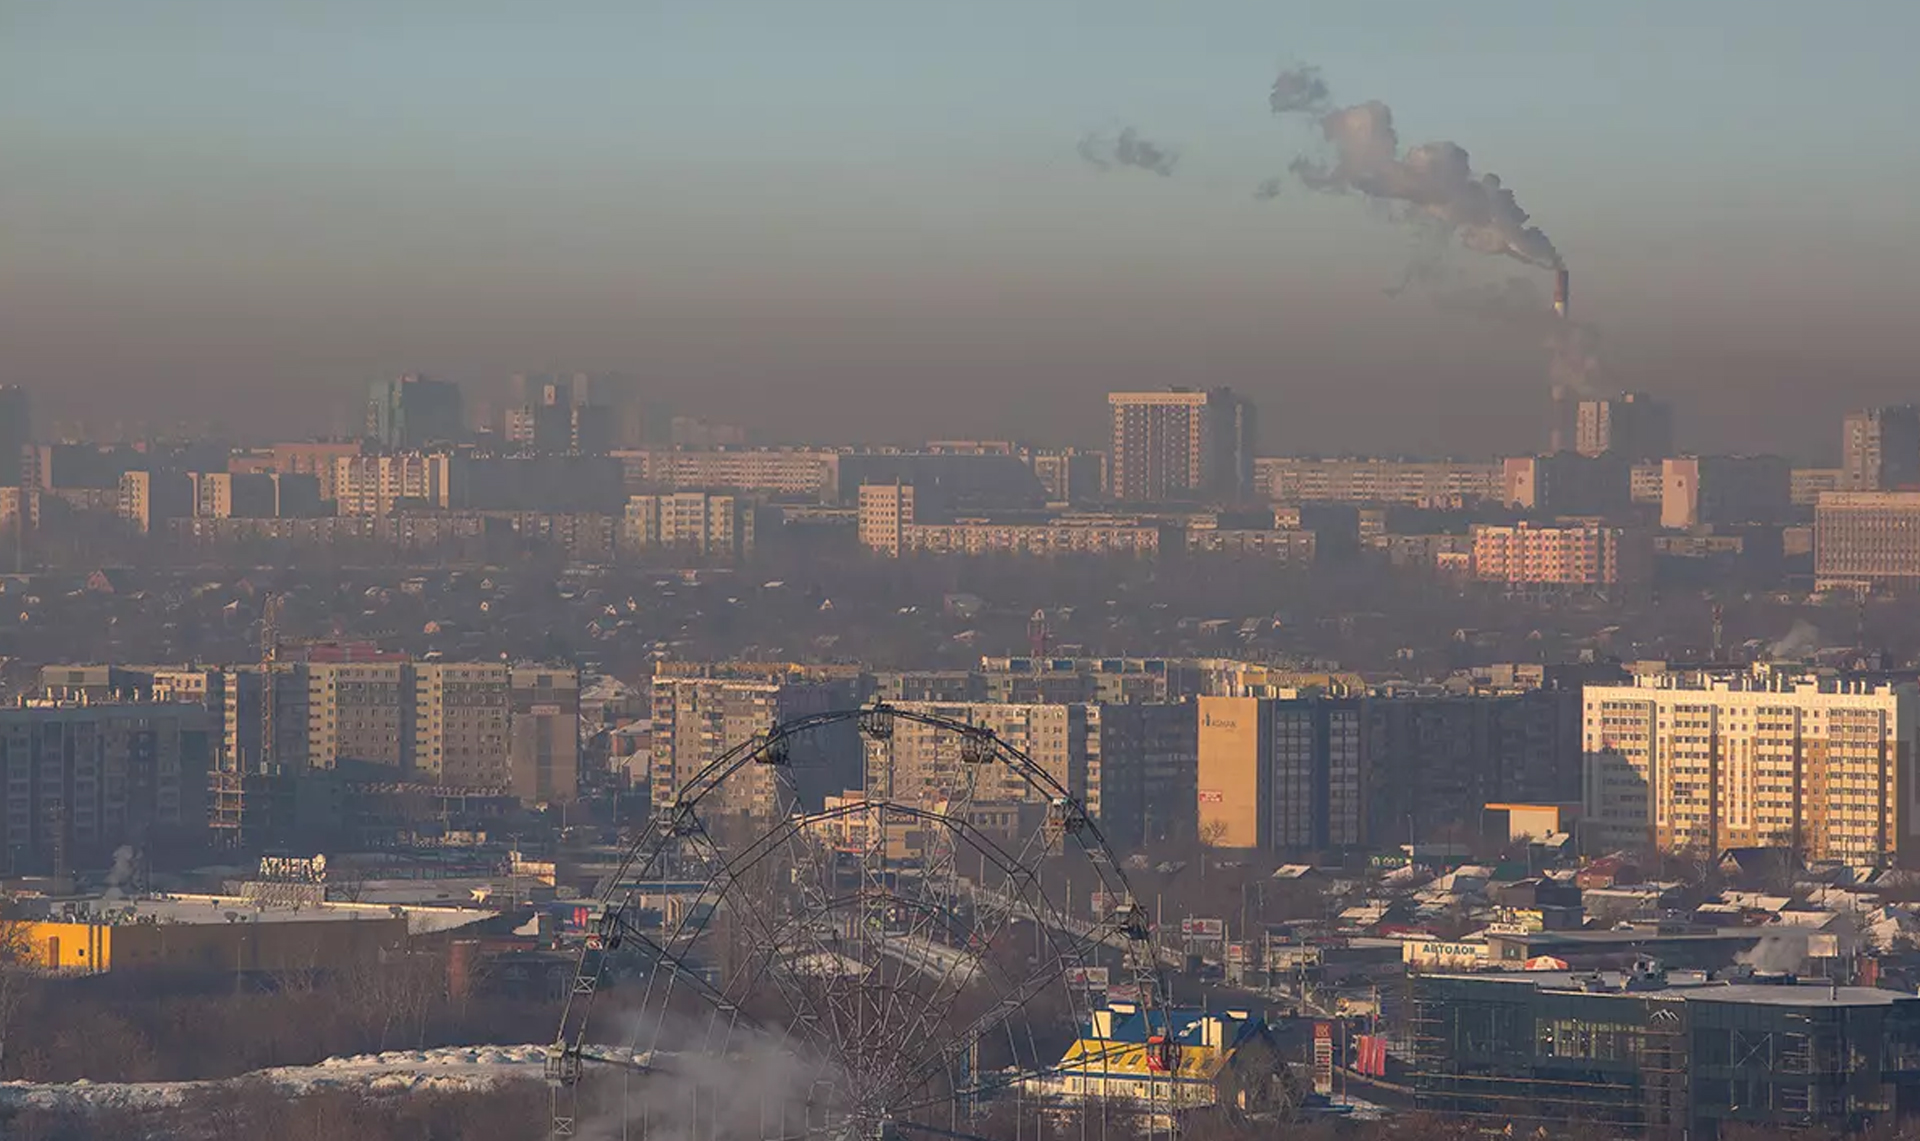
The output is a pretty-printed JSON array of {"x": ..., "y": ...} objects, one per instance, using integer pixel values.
[
  {"x": 1092, "y": 978},
  {"x": 1196, "y": 928},
  {"x": 1323, "y": 1057}
]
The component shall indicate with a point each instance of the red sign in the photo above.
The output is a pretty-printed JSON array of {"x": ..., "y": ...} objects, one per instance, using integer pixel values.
[
  {"x": 1323, "y": 1057},
  {"x": 1370, "y": 1055},
  {"x": 1211, "y": 796}
]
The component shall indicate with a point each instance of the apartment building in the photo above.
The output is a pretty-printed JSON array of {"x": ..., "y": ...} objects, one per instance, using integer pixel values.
[
  {"x": 459, "y": 727},
  {"x": 1316, "y": 772},
  {"x": 1712, "y": 490},
  {"x": 1418, "y": 483},
  {"x": 812, "y": 473},
  {"x": 924, "y": 767},
  {"x": 376, "y": 485},
  {"x": 694, "y": 521},
  {"x": 543, "y": 726},
  {"x": 1181, "y": 444},
  {"x": 1805, "y": 485},
  {"x": 1281, "y": 775},
  {"x": 1700, "y": 762},
  {"x": 150, "y": 499},
  {"x": 1867, "y": 540},
  {"x": 1880, "y": 449},
  {"x": 889, "y": 526},
  {"x": 1572, "y": 556},
  {"x": 1630, "y": 426},
  {"x": 1567, "y": 483},
  {"x": 79, "y": 779},
  {"x": 485, "y": 726},
  {"x": 700, "y": 711}
]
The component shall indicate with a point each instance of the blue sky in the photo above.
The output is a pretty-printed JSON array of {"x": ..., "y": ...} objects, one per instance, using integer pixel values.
[{"x": 807, "y": 206}]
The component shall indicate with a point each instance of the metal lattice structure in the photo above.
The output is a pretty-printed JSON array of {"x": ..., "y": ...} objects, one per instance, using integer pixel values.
[{"x": 857, "y": 970}]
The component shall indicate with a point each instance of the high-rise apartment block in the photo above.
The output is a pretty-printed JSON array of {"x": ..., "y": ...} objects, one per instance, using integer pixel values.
[
  {"x": 16, "y": 434},
  {"x": 698, "y": 522},
  {"x": 1630, "y": 426},
  {"x": 378, "y": 485},
  {"x": 83, "y": 778},
  {"x": 1880, "y": 449},
  {"x": 1865, "y": 540},
  {"x": 1701, "y": 762},
  {"x": 150, "y": 499},
  {"x": 702, "y": 711},
  {"x": 543, "y": 726},
  {"x": 468, "y": 725},
  {"x": 1181, "y": 444},
  {"x": 1573, "y": 556},
  {"x": 1699, "y": 491},
  {"x": 414, "y": 412},
  {"x": 1313, "y": 773},
  {"x": 924, "y": 767},
  {"x": 559, "y": 414},
  {"x": 254, "y": 495},
  {"x": 1567, "y": 483},
  {"x": 1280, "y": 775}
]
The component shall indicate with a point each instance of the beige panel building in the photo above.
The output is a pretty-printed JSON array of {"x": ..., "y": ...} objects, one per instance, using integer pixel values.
[
  {"x": 699, "y": 716},
  {"x": 888, "y": 526},
  {"x": 359, "y": 711},
  {"x": 1702, "y": 762},
  {"x": 378, "y": 484},
  {"x": 695, "y": 521},
  {"x": 460, "y": 718},
  {"x": 1866, "y": 540},
  {"x": 1578, "y": 555},
  {"x": 1439, "y": 483},
  {"x": 924, "y": 766}
]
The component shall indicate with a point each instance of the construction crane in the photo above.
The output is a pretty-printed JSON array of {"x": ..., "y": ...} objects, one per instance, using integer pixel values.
[{"x": 269, "y": 657}]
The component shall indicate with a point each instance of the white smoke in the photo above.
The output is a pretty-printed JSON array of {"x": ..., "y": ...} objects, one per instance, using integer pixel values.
[
  {"x": 1435, "y": 182},
  {"x": 1128, "y": 148},
  {"x": 713, "y": 1080},
  {"x": 1785, "y": 952},
  {"x": 120, "y": 874},
  {"x": 1804, "y": 636}
]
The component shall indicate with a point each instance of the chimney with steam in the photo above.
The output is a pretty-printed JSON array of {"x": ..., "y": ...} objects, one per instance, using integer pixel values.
[{"x": 1560, "y": 292}]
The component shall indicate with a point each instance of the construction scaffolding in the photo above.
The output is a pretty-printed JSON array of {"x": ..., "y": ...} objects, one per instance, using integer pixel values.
[{"x": 1635, "y": 1054}]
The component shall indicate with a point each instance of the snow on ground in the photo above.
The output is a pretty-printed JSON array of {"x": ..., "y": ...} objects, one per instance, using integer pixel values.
[{"x": 399, "y": 1071}]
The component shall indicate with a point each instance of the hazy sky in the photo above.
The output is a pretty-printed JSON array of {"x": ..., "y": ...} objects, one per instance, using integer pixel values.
[{"x": 866, "y": 218}]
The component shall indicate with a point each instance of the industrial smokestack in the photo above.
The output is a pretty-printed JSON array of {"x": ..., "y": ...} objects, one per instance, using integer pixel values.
[{"x": 1560, "y": 291}]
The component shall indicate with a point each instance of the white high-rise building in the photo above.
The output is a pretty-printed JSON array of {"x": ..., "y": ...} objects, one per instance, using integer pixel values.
[{"x": 1817, "y": 763}]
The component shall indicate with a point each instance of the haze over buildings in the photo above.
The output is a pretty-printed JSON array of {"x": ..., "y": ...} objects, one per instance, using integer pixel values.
[{"x": 893, "y": 286}]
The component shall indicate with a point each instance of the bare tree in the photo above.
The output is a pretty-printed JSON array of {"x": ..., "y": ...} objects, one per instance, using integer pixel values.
[{"x": 16, "y": 954}]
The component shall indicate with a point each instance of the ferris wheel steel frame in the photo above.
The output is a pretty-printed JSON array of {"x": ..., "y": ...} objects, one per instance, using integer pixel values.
[{"x": 679, "y": 830}]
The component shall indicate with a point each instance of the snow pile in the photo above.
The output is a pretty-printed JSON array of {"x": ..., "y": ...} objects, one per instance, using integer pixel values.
[{"x": 453, "y": 1069}]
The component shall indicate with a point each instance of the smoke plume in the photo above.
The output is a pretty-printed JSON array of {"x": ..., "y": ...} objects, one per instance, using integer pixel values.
[
  {"x": 1786, "y": 951},
  {"x": 120, "y": 874},
  {"x": 1126, "y": 149},
  {"x": 1803, "y": 637},
  {"x": 1432, "y": 181}
]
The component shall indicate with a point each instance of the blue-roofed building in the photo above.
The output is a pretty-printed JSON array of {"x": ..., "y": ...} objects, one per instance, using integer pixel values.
[{"x": 1174, "y": 1059}]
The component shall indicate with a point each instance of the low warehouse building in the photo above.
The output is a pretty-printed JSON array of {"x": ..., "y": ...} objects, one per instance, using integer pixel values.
[{"x": 209, "y": 934}]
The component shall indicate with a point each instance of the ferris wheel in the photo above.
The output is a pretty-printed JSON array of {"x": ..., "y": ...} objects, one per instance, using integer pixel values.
[{"x": 872, "y": 964}]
